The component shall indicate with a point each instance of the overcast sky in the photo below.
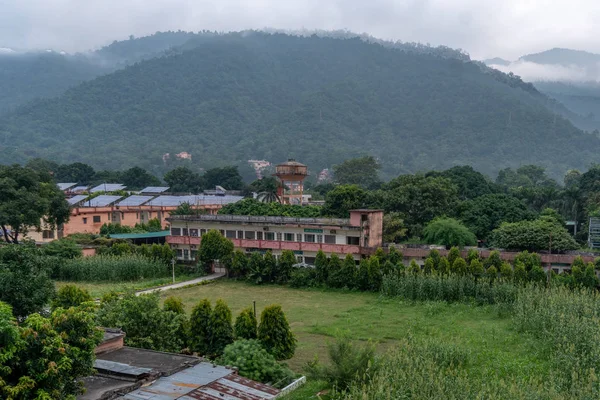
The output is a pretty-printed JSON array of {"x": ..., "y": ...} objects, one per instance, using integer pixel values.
[{"x": 484, "y": 28}]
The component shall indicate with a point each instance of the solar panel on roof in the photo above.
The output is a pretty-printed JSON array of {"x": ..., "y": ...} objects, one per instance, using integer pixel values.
[
  {"x": 167, "y": 201},
  {"x": 79, "y": 189},
  {"x": 107, "y": 187},
  {"x": 65, "y": 186},
  {"x": 155, "y": 189},
  {"x": 134, "y": 200},
  {"x": 101, "y": 201},
  {"x": 76, "y": 199}
]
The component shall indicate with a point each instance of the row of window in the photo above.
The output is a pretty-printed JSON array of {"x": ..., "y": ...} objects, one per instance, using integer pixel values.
[
  {"x": 273, "y": 236},
  {"x": 186, "y": 254}
]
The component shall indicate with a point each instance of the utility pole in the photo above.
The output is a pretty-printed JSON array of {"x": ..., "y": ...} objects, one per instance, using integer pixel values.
[{"x": 173, "y": 268}]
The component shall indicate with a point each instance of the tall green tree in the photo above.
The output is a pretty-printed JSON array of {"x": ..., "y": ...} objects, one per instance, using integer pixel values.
[
  {"x": 471, "y": 184},
  {"x": 138, "y": 178},
  {"x": 76, "y": 172},
  {"x": 321, "y": 266},
  {"x": 215, "y": 246},
  {"x": 29, "y": 200},
  {"x": 448, "y": 232},
  {"x": 394, "y": 229},
  {"x": 226, "y": 177},
  {"x": 363, "y": 172},
  {"x": 342, "y": 199},
  {"x": 199, "y": 335},
  {"x": 275, "y": 334},
  {"x": 540, "y": 234},
  {"x": 183, "y": 179},
  {"x": 245, "y": 325},
  {"x": 285, "y": 266},
  {"x": 220, "y": 328}
]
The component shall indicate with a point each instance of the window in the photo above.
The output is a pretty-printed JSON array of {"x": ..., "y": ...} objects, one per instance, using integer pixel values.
[
  {"x": 279, "y": 236},
  {"x": 175, "y": 231},
  {"x": 194, "y": 254},
  {"x": 85, "y": 220},
  {"x": 185, "y": 232},
  {"x": 299, "y": 259},
  {"x": 47, "y": 234},
  {"x": 202, "y": 232},
  {"x": 330, "y": 239},
  {"x": 309, "y": 260},
  {"x": 222, "y": 232},
  {"x": 259, "y": 236},
  {"x": 96, "y": 219},
  {"x": 186, "y": 254},
  {"x": 240, "y": 234},
  {"x": 353, "y": 240},
  {"x": 230, "y": 234},
  {"x": 194, "y": 232},
  {"x": 288, "y": 237},
  {"x": 319, "y": 238},
  {"x": 298, "y": 237},
  {"x": 309, "y": 238},
  {"x": 179, "y": 253},
  {"x": 250, "y": 235},
  {"x": 269, "y": 235}
]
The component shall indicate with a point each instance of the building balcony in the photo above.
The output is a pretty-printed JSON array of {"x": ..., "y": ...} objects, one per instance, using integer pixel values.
[{"x": 275, "y": 245}]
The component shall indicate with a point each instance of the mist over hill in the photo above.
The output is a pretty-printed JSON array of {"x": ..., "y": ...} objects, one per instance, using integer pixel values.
[{"x": 228, "y": 98}]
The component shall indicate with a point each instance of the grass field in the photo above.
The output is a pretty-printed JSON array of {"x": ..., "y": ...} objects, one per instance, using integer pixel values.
[
  {"x": 97, "y": 289},
  {"x": 316, "y": 316}
]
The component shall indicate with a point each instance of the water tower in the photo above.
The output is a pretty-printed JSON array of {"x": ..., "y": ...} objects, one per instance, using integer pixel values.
[{"x": 291, "y": 176}]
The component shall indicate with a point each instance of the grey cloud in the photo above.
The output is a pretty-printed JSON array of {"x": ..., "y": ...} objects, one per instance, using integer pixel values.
[{"x": 484, "y": 28}]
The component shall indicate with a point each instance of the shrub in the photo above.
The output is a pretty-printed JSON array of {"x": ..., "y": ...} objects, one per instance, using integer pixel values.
[
  {"x": 414, "y": 268},
  {"x": 239, "y": 264},
  {"x": 395, "y": 256},
  {"x": 111, "y": 268},
  {"x": 520, "y": 274},
  {"x": 333, "y": 271},
  {"x": 275, "y": 334},
  {"x": 472, "y": 255},
  {"x": 321, "y": 267},
  {"x": 453, "y": 254},
  {"x": 303, "y": 277},
  {"x": 444, "y": 267},
  {"x": 348, "y": 273},
  {"x": 362, "y": 276},
  {"x": 63, "y": 248},
  {"x": 374, "y": 274},
  {"x": 254, "y": 362},
  {"x": 506, "y": 271},
  {"x": 349, "y": 364},
  {"x": 492, "y": 273},
  {"x": 245, "y": 325},
  {"x": 220, "y": 330},
  {"x": 476, "y": 267},
  {"x": 70, "y": 296},
  {"x": 174, "y": 304},
  {"x": 146, "y": 325},
  {"x": 537, "y": 274},
  {"x": 199, "y": 335},
  {"x": 429, "y": 266},
  {"x": 285, "y": 266},
  {"x": 493, "y": 260}
]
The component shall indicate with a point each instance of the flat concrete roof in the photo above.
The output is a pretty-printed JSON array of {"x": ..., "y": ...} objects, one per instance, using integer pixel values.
[{"x": 165, "y": 363}]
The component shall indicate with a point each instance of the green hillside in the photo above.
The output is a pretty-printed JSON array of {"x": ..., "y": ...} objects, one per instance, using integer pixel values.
[
  {"x": 28, "y": 76},
  {"x": 228, "y": 98}
]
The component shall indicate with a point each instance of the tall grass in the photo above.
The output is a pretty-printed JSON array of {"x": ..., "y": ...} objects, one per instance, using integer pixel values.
[
  {"x": 429, "y": 370},
  {"x": 452, "y": 288},
  {"x": 129, "y": 267},
  {"x": 569, "y": 322}
]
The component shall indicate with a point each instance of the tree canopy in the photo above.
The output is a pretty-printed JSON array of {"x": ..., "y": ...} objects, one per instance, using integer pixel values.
[
  {"x": 448, "y": 232},
  {"x": 363, "y": 171}
]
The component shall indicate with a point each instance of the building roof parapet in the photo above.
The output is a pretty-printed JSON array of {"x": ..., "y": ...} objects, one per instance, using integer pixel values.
[{"x": 261, "y": 219}]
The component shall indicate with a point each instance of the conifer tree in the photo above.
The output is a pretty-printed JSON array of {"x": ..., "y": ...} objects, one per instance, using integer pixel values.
[
  {"x": 380, "y": 254},
  {"x": 459, "y": 266},
  {"x": 444, "y": 266},
  {"x": 199, "y": 335},
  {"x": 519, "y": 273},
  {"x": 476, "y": 267},
  {"x": 435, "y": 256},
  {"x": 246, "y": 325},
  {"x": 506, "y": 270},
  {"x": 453, "y": 254},
  {"x": 285, "y": 266},
  {"x": 220, "y": 328},
  {"x": 174, "y": 304},
  {"x": 348, "y": 272},
  {"x": 429, "y": 266},
  {"x": 472, "y": 254},
  {"x": 269, "y": 266},
  {"x": 275, "y": 334},
  {"x": 492, "y": 273},
  {"x": 321, "y": 263},
  {"x": 333, "y": 273},
  {"x": 374, "y": 274},
  {"x": 362, "y": 278},
  {"x": 414, "y": 268},
  {"x": 395, "y": 256}
]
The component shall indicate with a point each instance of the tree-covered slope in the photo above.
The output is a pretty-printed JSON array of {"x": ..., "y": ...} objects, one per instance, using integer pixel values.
[
  {"x": 28, "y": 76},
  {"x": 322, "y": 100}
]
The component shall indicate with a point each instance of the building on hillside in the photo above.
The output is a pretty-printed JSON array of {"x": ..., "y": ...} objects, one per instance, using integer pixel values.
[
  {"x": 131, "y": 373},
  {"x": 359, "y": 235},
  {"x": 291, "y": 175}
]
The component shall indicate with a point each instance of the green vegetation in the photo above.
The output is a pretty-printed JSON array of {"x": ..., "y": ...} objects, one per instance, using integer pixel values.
[
  {"x": 44, "y": 358},
  {"x": 274, "y": 333},
  {"x": 246, "y": 326},
  {"x": 70, "y": 296},
  {"x": 254, "y": 362},
  {"x": 255, "y": 112},
  {"x": 275, "y": 209},
  {"x": 448, "y": 232},
  {"x": 128, "y": 267}
]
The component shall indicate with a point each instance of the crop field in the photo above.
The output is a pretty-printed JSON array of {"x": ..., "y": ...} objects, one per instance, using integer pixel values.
[{"x": 316, "y": 316}]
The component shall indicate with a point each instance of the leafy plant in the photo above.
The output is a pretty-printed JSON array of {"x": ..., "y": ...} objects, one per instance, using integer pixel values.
[{"x": 275, "y": 334}]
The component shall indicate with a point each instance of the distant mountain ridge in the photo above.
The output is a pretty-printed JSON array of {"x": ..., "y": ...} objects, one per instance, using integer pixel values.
[{"x": 229, "y": 98}]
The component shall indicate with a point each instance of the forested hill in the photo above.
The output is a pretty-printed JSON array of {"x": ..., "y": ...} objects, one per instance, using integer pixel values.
[
  {"x": 28, "y": 76},
  {"x": 228, "y": 98}
]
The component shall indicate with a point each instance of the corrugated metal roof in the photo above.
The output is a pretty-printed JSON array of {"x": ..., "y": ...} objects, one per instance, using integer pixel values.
[
  {"x": 120, "y": 368},
  {"x": 180, "y": 383},
  {"x": 140, "y": 235},
  {"x": 107, "y": 187},
  {"x": 65, "y": 186},
  {"x": 134, "y": 200},
  {"x": 78, "y": 189},
  {"x": 233, "y": 387},
  {"x": 76, "y": 199}
]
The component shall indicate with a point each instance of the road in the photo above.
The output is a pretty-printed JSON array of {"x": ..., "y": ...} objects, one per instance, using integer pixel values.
[{"x": 181, "y": 284}]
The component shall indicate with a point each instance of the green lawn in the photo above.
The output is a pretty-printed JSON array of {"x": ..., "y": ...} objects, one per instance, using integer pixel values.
[
  {"x": 97, "y": 289},
  {"x": 316, "y": 316}
]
